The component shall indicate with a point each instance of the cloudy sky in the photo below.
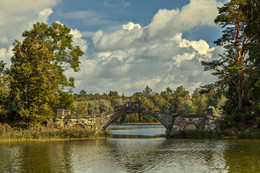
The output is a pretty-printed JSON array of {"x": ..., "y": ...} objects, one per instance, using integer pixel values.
[{"x": 128, "y": 44}]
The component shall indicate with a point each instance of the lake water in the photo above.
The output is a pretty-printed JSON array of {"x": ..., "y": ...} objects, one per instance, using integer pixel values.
[{"x": 132, "y": 149}]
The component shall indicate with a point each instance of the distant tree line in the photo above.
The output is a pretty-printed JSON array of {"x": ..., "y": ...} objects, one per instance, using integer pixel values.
[{"x": 176, "y": 102}]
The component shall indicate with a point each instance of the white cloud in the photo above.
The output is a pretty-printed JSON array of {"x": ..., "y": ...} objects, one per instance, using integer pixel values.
[
  {"x": 157, "y": 64},
  {"x": 43, "y": 16},
  {"x": 169, "y": 22},
  {"x": 15, "y": 12},
  {"x": 16, "y": 16},
  {"x": 157, "y": 55},
  {"x": 78, "y": 40},
  {"x": 120, "y": 39},
  {"x": 97, "y": 37},
  {"x": 6, "y": 54},
  {"x": 130, "y": 25}
]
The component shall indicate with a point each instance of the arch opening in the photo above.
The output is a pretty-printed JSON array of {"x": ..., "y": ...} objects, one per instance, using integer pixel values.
[
  {"x": 120, "y": 114},
  {"x": 78, "y": 126},
  {"x": 190, "y": 126}
]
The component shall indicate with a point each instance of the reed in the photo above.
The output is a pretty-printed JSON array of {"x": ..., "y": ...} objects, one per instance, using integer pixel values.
[{"x": 41, "y": 132}]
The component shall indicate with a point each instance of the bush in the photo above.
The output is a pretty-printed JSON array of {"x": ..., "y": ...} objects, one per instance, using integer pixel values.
[{"x": 237, "y": 117}]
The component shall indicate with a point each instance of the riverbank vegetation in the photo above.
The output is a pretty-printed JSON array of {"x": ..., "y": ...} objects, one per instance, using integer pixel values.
[
  {"x": 255, "y": 134},
  {"x": 22, "y": 132},
  {"x": 35, "y": 86}
]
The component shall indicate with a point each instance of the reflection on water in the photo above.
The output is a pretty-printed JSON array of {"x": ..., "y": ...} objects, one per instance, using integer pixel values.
[
  {"x": 131, "y": 155},
  {"x": 137, "y": 131}
]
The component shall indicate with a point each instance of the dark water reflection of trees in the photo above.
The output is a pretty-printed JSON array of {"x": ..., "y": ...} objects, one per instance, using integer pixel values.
[{"x": 131, "y": 155}]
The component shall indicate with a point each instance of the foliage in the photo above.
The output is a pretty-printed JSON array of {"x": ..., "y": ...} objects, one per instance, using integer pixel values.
[
  {"x": 252, "y": 11},
  {"x": 81, "y": 108},
  {"x": 33, "y": 80},
  {"x": 36, "y": 77},
  {"x": 4, "y": 91},
  {"x": 147, "y": 90},
  {"x": 238, "y": 69},
  {"x": 170, "y": 101},
  {"x": 230, "y": 68},
  {"x": 66, "y": 101}
]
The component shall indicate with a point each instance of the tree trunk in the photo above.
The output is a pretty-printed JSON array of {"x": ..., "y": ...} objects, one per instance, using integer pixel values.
[{"x": 241, "y": 100}]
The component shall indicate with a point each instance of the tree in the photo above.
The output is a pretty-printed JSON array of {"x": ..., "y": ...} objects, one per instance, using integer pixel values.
[
  {"x": 33, "y": 80},
  {"x": 147, "y": 90},
  {"x": 37, "y": 79},
  {"x": 4, "y": 91},
  {"x": 230, "y": 68},
  {"x": 83, "y": 93},
  {"x": 179, "y": 97},
  {"x": 199, "y": 102},
  {"x": 81, "y": 108},
  {"x": 252, "y": 11},
  {"x": 113, "y": 94},
  {"x": 66, "y": 100},
  {"x": 65, "y": 55}
]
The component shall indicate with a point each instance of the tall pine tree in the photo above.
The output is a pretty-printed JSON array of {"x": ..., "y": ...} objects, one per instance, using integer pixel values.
[{"x": 230, "y": 68}]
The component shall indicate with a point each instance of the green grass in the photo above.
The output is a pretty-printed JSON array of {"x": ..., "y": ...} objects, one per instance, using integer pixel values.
[{"x": 8, "y": 132}]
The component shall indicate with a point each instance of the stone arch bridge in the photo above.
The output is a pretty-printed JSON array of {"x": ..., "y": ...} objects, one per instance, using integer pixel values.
[{"x": 99, "y": 123}]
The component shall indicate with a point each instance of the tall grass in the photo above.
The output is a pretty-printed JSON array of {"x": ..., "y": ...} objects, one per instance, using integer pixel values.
[{"x": 41, "y": 132}]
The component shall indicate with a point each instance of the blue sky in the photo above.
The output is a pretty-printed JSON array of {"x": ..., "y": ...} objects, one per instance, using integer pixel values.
[{"x": 128, "y": 44}]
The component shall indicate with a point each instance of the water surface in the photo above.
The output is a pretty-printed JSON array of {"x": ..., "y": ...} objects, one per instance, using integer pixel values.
[{"x": 130, "y": 154}]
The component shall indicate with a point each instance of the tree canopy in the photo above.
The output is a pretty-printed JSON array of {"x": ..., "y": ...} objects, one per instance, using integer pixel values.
[
  {"x": 36, "y": 76},
  {"x": 238, "y": 68}
]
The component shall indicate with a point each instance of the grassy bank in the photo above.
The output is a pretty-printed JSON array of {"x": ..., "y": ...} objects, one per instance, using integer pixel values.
[{"x": 8, "y": 132}]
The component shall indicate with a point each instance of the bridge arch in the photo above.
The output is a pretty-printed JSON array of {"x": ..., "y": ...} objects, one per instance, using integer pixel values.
[
  {"x": 165, "y": 119},
  {"x": 79, "y": 125}
]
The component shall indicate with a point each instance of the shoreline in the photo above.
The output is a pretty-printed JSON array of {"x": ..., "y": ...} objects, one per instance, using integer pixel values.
[
  {"x": 103, "y": 138},
  {"x": 42, "y": 134},
  {"x": 52, "y": 139},
  {"x": 140, "y": 123}
]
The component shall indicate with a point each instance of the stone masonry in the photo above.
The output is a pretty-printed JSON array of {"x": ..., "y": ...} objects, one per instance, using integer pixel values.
[
  {"x": 173, "y": 124},
  {"x": 207, "y": 122}
]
